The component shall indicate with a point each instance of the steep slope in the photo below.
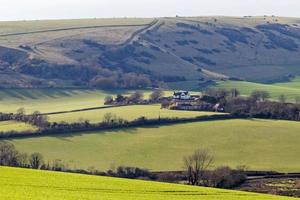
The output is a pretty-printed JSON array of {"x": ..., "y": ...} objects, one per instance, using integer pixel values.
[{"x": 99, "y": 53}]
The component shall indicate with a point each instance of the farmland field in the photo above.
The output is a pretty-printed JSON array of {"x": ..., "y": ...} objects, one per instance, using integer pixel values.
[
  {"x": 289, "y": 89},
  {"x": 128, "y": 112},
  {"x": 6, "y": 126},
  {"x": 258, "y": 144},
  {"x": 53, "y": 100},
  {"x": 23, "y": 184}
]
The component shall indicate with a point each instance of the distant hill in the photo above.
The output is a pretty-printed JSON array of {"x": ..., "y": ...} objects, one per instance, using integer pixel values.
[{"x": 129, "y": 53}]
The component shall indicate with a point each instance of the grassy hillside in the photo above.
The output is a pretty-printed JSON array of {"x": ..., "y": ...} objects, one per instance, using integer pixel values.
[
  {"x": 73, "y": 53},
  {"x": 259, "y": 144},
  {"x": 289, "y": 89},
  {"x": 31, "y": 184},
  {"x": 129, "y": 113},
  {"x": 15, "y": 126},
  {"x": 15, "y": 27}
]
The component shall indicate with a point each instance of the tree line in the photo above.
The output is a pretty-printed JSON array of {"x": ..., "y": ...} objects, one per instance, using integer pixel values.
[
  {"x": 257, "y": 105},
  {"x": 135, "y": 98},
  {"x": 196, "y": 172}
]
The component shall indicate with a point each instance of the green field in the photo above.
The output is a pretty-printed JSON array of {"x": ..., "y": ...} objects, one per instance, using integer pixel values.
[
  {"x": 129, "y": 113},
  {"x": 6, "y": 126},
  {"x": 54, "y": 100},
  {"x": 290, "y": 89},
  {"x": 258, "y": 144},
  {"x": 40, "y": 185}
]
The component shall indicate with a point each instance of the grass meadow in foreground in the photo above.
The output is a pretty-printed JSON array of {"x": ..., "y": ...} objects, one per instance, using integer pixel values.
[
  {"x": 129, "y": 113},
  {"x": 289, "y": 89},
  {"x": 39, "y": 185},
  {"x": 258, "y": 144}
]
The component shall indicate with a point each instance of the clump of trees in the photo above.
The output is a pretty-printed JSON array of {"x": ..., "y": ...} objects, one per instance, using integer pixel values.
[
  {"x": 9, "y": 156},
  {"x": 135, "y": 98},
  {"x": 256, "y": 105},
  {"x": 131, "y": 173},
  {"x": 125, "y": 81},
  {"x": 36, "y": 118},
  {"x": 197, "y": 168}
]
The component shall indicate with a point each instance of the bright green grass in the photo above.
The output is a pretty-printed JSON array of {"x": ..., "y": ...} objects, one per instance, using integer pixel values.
[
  {"x": 290, "y": 89},
  {"x": 259, "y": 144},
  {"x": 53, "y": 100},
  {"x": 6, "y": 126},
  {"x": 24, "y": 184},
  {"x": 129, "y": 113}
]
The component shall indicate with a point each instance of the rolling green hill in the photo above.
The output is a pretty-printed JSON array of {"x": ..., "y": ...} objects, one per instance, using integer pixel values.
[
  {"x": 55, "y": 100},
  {"x": 32, "y": 184},
  {"x": 258, "y": 144},
  {"x": 102, "y": 52}
]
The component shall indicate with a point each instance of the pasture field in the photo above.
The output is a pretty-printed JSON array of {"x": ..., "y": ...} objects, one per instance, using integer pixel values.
[
  {"x": 6, "y": 126},
  {"x": 54, "y": 100},
  {"x": 33, "y": 184},
  {"x": 289, "y": 89},
  {"x": 294, "y": 83},
  {"x": 129, "y": 113},
  {"x": 14, "y": 27},
  {"x": 258, "y": 144}
]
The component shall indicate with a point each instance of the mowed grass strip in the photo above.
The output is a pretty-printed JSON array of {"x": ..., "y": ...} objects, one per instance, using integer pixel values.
[
  {"x": 258, "y": 144},
  {"x": 7, "y": 126},
  {"x": 290, "y": 89},
  {"x": 40, "y": 185},
  {"x": 128, "y": 112}
]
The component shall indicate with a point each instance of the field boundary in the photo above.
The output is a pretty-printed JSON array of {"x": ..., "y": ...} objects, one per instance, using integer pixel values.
[{"x": 103, "y": 127}]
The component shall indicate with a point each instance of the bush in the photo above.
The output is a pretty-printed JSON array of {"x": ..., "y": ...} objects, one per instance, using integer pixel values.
[{"x": 225, "y": 177}]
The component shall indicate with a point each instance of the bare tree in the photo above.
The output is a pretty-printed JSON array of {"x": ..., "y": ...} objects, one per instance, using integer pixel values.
[
  {"x": 36, "y": 160},
  {"x": 136, "y": 97},
  {"x": 8, "y": 154},
  {"x": 260, "y": 95},
  {"x": 156, "y": 95},
  {"x": 234, "y": 92},
  {"x": 196, "y": 165}
]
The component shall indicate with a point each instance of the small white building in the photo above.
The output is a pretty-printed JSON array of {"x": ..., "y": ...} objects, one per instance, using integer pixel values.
[{"x": 182, "y": 95}]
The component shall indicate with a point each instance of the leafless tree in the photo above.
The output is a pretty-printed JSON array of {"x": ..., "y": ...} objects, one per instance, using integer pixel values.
[
  {"x": 197, "y": 164},
  {"x": 234, "y": 92},
  {"x": 156, "y": 95},
  {"x": 260, "y": 95},
  {"x": 36, "y": 160}
]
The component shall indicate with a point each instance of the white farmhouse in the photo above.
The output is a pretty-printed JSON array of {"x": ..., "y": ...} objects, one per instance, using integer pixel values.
[{"x": 182, "y": 95}]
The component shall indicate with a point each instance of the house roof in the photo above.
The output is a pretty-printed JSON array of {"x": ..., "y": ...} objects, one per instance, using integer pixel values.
[{"x": 181, "y": 93}]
